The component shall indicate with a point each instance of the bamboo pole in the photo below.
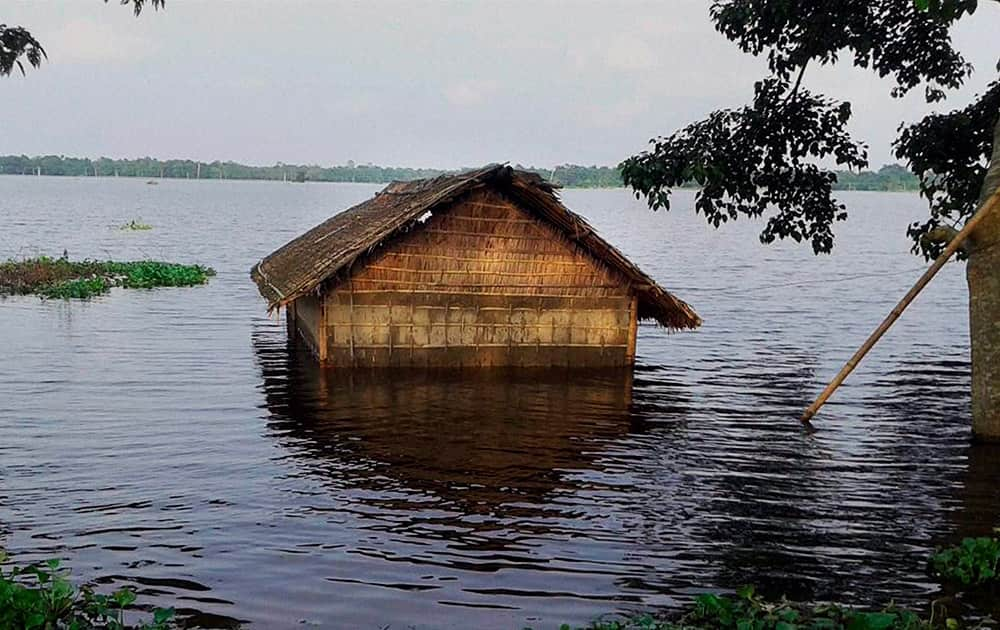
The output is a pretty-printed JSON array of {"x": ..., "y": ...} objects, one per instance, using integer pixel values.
[
  {"x": 953, "y": 246},
  {"x": 350, "y": 284},
  {"x": 633, "y": 329}
]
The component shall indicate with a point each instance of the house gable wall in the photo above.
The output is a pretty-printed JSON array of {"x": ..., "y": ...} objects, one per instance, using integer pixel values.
[{"x": 483, "y": 283}]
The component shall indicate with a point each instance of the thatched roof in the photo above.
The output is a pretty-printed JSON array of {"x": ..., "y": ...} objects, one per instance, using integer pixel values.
[{"x": 303, "y": 264}]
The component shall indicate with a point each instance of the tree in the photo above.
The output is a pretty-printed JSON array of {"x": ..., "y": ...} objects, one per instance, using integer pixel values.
[
  {"x": 760, "y": 160},
  {"x": 17, "y": 43}
]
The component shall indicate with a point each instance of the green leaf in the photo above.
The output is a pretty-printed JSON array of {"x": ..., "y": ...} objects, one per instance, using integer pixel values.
[
  {"x": 709, "y": 601},
  {"x": 163, "y": 615},
  {"x": 871, "y": 621},
  {"x": 124, "y": 597},
  {"x": 789, "y": 614}
]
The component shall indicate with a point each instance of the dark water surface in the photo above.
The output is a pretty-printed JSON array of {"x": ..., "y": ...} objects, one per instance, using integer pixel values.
[{"x": 169, "y": 440}]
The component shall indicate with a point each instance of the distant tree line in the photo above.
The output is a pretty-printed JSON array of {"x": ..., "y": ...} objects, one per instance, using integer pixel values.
[{"x": 889, "y": 177}]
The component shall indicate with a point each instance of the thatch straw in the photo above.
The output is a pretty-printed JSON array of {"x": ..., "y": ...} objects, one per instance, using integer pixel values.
[{"x": 531, "y": 262}]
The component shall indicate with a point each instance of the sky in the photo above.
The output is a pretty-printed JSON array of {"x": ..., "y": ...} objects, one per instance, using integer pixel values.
[{"x": 416, "y": 83}]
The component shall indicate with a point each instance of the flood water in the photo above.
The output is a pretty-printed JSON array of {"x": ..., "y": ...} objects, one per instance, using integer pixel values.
[{"x": 171, "y": 441}]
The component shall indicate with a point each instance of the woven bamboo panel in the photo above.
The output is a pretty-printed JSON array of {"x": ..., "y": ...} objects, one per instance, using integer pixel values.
[{"x": 486, "y": 284}]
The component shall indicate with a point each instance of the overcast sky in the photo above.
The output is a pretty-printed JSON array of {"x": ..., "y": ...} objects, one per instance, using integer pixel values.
[{"x": 436, "y": 84}]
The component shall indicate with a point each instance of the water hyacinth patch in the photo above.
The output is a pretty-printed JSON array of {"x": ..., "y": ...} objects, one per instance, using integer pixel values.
[
  {"x": 65, "y": 279},
  {"x": 82, "y": 288},
  {"x": 975, "y": 561},
  {"x": 40, "y": 597},
  {"x": 749, "y": 611}
]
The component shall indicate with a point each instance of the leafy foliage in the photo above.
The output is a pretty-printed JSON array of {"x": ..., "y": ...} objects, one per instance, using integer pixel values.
[
  {"x": 755, "y": 158},
  {"x": 66, "y": 279},
  {"x": 81, "y": 288},
  {"x": 974, "y": 561},
  {"x": 950, "y": 154},
  {"x": 42, "y": 597},
  {"x": 138, "y": 5},
  {"x": 749, "y": 611},
  {"x": 892, "y": 37},
  {"x": 16, "y": 42},
  {"x": 948, "y": 7},
  {"x": 151, "y": 274},
  {"x": 762, "y": 158}
]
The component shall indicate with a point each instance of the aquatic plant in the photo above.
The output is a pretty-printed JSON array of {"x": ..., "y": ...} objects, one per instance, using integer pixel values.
[
  {"x": 81, "y": 288},
  {"x": 65, "y": 279},
  {"x": 134, "y": 225},
  {"x": 749, "y": 611},
  {"x": 972, "y": 562},
  {"x": 42, "y": 597},
  {"x": 150, "y": 274}
]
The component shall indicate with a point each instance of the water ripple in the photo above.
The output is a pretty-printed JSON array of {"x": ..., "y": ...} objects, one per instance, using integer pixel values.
[{"x": 171, "y": 440}]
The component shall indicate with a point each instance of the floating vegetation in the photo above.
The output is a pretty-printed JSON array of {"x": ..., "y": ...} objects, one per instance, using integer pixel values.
[
  {"x": 135, "y": 226},
  {"x": 66, "y": 279},
  {"x": 749, "y": 611},
  {"x": 42, "y": 597},
  {"x": 973, "y": 562}
]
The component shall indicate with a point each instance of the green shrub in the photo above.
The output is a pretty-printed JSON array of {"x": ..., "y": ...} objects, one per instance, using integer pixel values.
[
  {"x": 972, "y": 562},
  {"x": 43, "y": 598}
]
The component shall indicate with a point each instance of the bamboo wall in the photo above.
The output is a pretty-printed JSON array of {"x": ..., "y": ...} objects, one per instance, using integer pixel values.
[
  {"x": 483, "y": 284},
  {"x": 304, "y": 316}
]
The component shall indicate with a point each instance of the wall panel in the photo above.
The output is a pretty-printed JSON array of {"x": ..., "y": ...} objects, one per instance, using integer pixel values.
[{"x": 485, "y": 284}]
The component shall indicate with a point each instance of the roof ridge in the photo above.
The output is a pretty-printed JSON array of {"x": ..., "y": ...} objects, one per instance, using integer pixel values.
[{"x": 292, "y": 270}]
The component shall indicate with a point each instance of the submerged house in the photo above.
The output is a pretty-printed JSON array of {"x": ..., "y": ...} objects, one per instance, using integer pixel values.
[{"x": 484, "y": 268}]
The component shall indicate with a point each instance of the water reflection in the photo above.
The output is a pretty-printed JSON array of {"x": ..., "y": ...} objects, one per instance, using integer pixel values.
[
  {"x": 482, "y": 442},
  {"x": 979, "y": 514},
  {"x": 925, "y": 402},
  {"x": 489, "y": 461}
]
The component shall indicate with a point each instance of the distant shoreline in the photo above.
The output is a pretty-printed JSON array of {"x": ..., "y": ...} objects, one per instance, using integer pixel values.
[{"x": 890, "y": 178}]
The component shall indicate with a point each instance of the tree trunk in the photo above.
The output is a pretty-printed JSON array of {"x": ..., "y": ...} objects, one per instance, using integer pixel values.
[{"x": 983, "y": 273}]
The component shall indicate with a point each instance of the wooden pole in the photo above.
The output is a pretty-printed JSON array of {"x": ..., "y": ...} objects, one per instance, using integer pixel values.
[
  {"x": 321, "y": 331},
  {"x": 350, "y": 311},
  {"x": 633, "y": 329},
  {"x": 953, "y": 246}
]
